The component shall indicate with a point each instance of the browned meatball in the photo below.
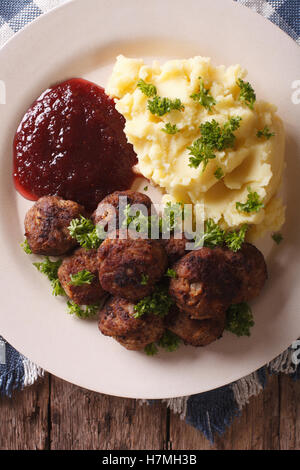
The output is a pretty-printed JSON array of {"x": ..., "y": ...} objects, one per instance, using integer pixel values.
[
  {"x": 196, "y": 332},
  {"x": 206, "y": 283},
  {"x": 81, "y": 260},
  {"x": 250, "y": 267},
  {"x": 131, "y": 267},
  {"x": 106, "y": 213},
  {"x": 117, "y": 320},
  {"x": 46, "y": 225},
  {"x": 175, "y": 248}
]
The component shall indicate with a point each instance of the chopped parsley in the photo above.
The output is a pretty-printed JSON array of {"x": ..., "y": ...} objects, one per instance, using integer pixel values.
[
  {"x": 265, "y": 132},
  {"x": 277, "y": 237},
  {"x": 247, "y": 94},
  {"x": 239, "y": 319},
  {"x": 26, "y": 247},
  {"x": 170, "y": 129},
  {"x": 85, "y": 233},
  {"x": 140, "y": 221},
  {"x": 151, "y": 349},
  {"x": 219, "y": 173},
  {"x": 169, "y": 341},
  {"x": 50, "y": 269},
  {"x": 161, "y": 106},
  {"x": 87, "y": 312},
  {"x": 214, "y": 236},
  {"x": 253, "y": 203},
  {"x": 81, "y": 278},
  {"x": 172, "y": 216},
  {"x": 146, "y": 188},
  {"x": 145, "y": 279},
  {"x": 234, "y": 240},
  {"x": 213, "y": 138},
  {"x": 158, "y": 303},
  {"x": 146, "y": 88},
  {"x": 171, "y": 273},
  {"x": 203, "y": 97}
]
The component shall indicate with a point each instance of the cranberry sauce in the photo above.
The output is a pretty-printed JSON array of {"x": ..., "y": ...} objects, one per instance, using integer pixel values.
[{"x": 71, "y": 143}]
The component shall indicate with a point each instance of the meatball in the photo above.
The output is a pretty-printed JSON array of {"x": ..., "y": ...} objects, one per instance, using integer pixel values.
[
  {"x": 117, "y": 320},
  {"x": 206, "y": 283},
  {"x": 46, "y": 225},
  {"x": 196, "y": 332},
  {"x": 131, "y": 267},
  {"x": 175, "y": 248},
  {"x": 81, "y": 260},
  {"x": 250, "y": 267},
  {"x": 109, "y": 206}
]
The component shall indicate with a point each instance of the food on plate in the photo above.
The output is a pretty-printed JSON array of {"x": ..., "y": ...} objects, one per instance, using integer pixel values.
[
  {"x": 196, "y": 332},
  {"x": 205, "y": 283},
  {"x": 108, "y": 209},
  {"x": 131, "y": 267},
  {"x": 200, "y": 134},
  {"x": 78, "y": 276},
  {"x": 250, "y": 267},
  {"x": 117, "y": 319},
  {"x": 71, "y": 143},
  {"x": 46, "y": 225}
]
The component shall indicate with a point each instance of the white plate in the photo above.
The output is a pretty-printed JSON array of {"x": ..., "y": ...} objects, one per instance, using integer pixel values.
[{"x": 82, "y": 38}]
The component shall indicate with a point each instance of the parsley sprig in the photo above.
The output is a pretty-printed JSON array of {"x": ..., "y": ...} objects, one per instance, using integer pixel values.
[
  {"x": 81, "y": 278},
  {"x": 213, "y": 138},
  {"x": 170, "y": 128},
  {"x": 265, "y": 132},
  {"x": 253, "y": 203},
  {"x": 169, "y": 341},
  {"x": 147, "y": 88},
  {"x": 277, "y": 237},
  {"x": 82, "y": 312},
  {"x": 161, "y": 106},
  {"x": 50, "y": 269},
  {"x": 171, "y": 273},
  {"x": 85, "y": 233},
  {"x": 239, "y": 319},
  {"x": 203, "y": 97},
  {"x": 219, "y": 173},
  {"x": 247, "y": 93},
  {"x": 26, "y": 247},
  {"x": 214, "y": 236},
  {"x": 158, "y": 303}
]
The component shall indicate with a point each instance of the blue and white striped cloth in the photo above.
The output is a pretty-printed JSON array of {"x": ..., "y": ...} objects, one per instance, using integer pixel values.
[{"x": 210, "y": 412}]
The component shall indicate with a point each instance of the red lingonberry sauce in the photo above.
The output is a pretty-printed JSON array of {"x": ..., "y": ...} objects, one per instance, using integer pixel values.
[{"x": 71, "y": 143}]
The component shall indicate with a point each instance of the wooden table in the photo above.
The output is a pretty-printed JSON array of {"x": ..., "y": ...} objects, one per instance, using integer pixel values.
[{"x": 54, "y": 414}]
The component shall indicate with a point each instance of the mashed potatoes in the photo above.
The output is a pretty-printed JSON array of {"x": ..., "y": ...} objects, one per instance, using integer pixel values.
[{"x": 164, "y": 158}]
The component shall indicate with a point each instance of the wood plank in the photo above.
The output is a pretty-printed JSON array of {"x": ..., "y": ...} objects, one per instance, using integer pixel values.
[
  {"x": 81, "y": 419},
  {"x": 257, "y": 427},
  {"x": 289, "y": 414},
  {"x": 24, "y": 418}
]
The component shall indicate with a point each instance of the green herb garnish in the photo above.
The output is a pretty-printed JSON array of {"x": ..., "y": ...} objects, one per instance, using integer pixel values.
[
  {"x": 158, "y": 303},
  {"x": 26, "y": 247},
  {"x": 169, "y": 341},
  {"x": 172, "y": 216},
  {"x": 87, "y": 312},
  {"x": 203, "y": 97},
  {"x": 81, "y": 278},
  {"x": 151, "y": 349},
  {"x": 239, "y": 319},
  {"x": 171, "y": 273},
  {"x": 219, "y": 173},
  {"x": 50, "y": 269},
  {"x": 147, "y": 88},
  {"x": 170, "y": 129},
  {"x": 161, "y": 106},
  {"x": 247, "y": 94},
  {"x": 253, "y": 203},
  {"x": 213, "y": 138},
  {"x": 277, "y": 237},
  {"x": 85, "y": 233},
  {"x": 146, "y": 188},
  {"x": 145, "y": 279},
  {"x": 234, "y": 240},
  {"x": 265, "y": 132}
]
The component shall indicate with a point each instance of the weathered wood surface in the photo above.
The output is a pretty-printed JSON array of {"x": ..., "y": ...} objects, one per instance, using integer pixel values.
[{"x": 54, "y": 414}]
